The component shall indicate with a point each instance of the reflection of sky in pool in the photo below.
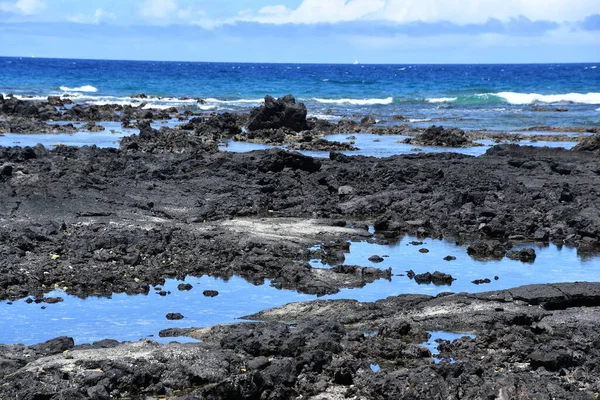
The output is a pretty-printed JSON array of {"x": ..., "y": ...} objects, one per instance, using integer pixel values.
[
  {"x": 432, "y": 345},
  {"x": 388, "y": 145},
  {"x": 133, "y": 317},
  {"x": 369, "y": 144}
]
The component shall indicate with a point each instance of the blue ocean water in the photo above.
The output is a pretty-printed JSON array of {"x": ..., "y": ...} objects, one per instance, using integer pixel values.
[{"x": 466, "y": 96}]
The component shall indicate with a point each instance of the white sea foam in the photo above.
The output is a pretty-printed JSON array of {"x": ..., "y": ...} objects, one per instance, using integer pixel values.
[
  {"x": 442, "y": 99},
  {"x": 528, "y": 98},
  {"x": 32, "y": 98},
  {"x": 326, "y": 117},
  {"x": 233, "y": 102},
  {"x": 419, "y": 120},
  {"x": 356, "y": 102},
  {"x": 85, "y": 89}
]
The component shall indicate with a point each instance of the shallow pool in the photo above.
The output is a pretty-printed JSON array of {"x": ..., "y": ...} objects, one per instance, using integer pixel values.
[{"x": 124, "y": 317}]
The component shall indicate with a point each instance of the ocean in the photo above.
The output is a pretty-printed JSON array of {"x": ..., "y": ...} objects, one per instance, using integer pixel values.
[{"x": 495, "y": 97}]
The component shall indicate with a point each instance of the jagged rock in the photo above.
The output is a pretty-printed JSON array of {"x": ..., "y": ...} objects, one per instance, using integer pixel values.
[
  {"x": 438, "y": 136},
  {"x": 524, "y": 255},
  {"x": 279, "y": 113}
]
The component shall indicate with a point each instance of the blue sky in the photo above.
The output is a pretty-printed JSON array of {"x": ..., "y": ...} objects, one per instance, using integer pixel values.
[{"x": 328, "y": 31}]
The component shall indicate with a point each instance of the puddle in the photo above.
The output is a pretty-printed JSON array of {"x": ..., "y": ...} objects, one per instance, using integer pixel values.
[
  {"x": 130, "y": 318},
  {"x": 388, "y": 145},
  {"x": 369, "y": 144},
  {"x": 108, "y": 138},
  {"x": 432, "y": 343},
  {"x": 552, "y": 265}
]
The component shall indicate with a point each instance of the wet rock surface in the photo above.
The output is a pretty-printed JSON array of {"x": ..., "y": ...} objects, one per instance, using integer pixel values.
[
  {"x": 168, "y": 204},
  {"x": 100, "y": 221},
  {"x": 525, "y": 255},
  {"x": 438, "y": 136},
  {"x": 526, "y": 346}
]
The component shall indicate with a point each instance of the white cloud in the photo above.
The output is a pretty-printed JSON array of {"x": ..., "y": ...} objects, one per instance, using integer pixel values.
[
  {"x": 163, "y": 12},
  {"x": 100, "y": 15},
  {"x": 158, "y": 9},
  {"x": 478, "y": 11},
  {"x": 316, "y": 11},
  {"x": 26, "y": 7},
  {"x": 456, "y": 11}
]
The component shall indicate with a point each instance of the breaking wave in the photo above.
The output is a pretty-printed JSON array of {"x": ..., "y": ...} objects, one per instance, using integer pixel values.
[
  {"x": 442, "y": 99},
  {"x": 529, "y": 98},
  {"x": 85, "y": 89},
  {"x": 516, "y": 98}
]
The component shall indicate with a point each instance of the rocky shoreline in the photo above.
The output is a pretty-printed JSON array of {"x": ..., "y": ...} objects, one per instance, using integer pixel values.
[
  {"x": 168, "y": 204},
  {"x": 533, "y": 342},
  {"x": 277, "y": 121}
]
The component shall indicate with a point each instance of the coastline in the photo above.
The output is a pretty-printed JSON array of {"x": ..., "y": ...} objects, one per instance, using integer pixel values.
[{"x": 169, "y": 203}]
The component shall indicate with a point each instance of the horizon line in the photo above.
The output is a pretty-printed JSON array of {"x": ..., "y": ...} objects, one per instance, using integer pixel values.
[{"x": 298, "y": 63}]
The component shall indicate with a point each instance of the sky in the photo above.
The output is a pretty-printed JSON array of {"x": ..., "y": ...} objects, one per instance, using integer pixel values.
[{"x": 304, "y": 31}]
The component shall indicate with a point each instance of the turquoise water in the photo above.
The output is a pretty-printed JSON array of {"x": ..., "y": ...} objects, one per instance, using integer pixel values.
[{"x": 466, "y": 96}]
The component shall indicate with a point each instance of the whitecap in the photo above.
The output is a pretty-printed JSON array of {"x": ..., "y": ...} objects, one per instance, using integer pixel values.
[
  {"x": 442, "y": 99},
  {"x": 85, "y": 88},
  {"x": 528, "y": 98},
  {"x": 241, "y": 101},
  {"x": 419, "y": 120},
  {"x": 357, "y": 102}
]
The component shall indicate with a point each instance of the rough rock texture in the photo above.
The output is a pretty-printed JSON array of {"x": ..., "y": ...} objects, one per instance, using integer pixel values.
[
  {"x": 26, "y": 125},
  {"x": 533, "y": 342},
  {"x": 322, "y": 145},
  {"x": 438, "y": 136},
  {"x": 167, "y": 140},
  {"x": 161, "y": 204},
  {"x": 279, "y": 113},
  {"x": 591, "y": 143},
  {"x": 525, "y": 255}
]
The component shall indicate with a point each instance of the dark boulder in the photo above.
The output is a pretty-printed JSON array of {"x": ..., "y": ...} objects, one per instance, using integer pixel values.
[
  {"x": 184, "y": 287},
  {"x": 210, "y": 293},
  {"x": 437, "y": 278},
  {"x": 276, "y": 160},
  {"x": 438, "y": 136},
  {"x": 376, "y": 259},
  {"x": 525, "y": 255},
  {"x": 216, "y": 125},
  {"x": 591, "y": 144},
  {"x": 174, "y": 316},
  {"x": 279, "y": 113},
  {"x": 54, "y": 346},
  {"x": 488, "y": 249}
]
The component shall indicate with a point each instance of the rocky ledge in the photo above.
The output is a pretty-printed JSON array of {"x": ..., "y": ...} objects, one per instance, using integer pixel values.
[{"x": 533, "y": 342}]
